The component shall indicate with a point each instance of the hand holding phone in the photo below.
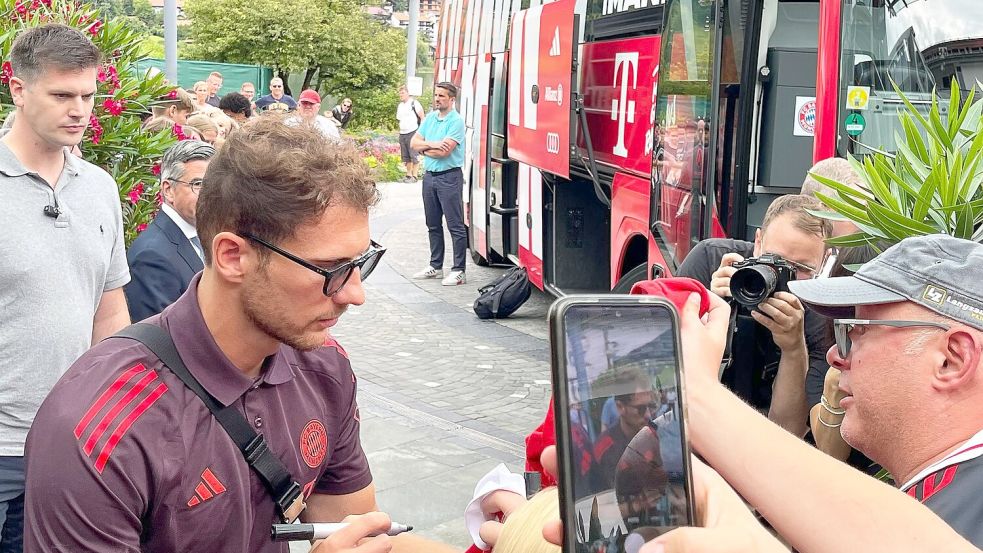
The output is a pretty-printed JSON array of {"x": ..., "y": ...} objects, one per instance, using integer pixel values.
[{"x": 623, "y": 457}]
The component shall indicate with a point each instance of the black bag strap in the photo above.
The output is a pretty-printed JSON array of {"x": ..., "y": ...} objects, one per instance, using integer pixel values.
[{"x": 286, "y": 492}]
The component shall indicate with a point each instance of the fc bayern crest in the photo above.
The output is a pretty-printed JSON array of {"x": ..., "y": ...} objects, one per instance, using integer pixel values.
[
  {"x": 807, "y": 117},
  {"x": 314, "y": 443}
]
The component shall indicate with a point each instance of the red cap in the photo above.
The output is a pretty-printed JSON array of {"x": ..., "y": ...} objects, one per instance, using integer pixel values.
[
  {"x": 674, "y": 289},
  {"x": 310, "y": 96}
]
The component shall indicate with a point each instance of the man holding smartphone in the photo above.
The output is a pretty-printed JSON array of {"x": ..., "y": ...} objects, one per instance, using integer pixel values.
[
  {"x": 440, "y": 139},
  {"x": 774, "y": 345}
]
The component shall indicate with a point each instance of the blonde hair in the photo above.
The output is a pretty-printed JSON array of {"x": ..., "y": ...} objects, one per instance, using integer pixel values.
[
  {"x": 523, "y": 530},
  {"x": 201, "y": 123},
  {"x": 220, "y": 118}
]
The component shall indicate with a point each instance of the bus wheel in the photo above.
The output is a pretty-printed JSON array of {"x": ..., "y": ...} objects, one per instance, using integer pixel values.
[
  {"x": 478, "y": 259},
  {"x": 629, "y": 279}
]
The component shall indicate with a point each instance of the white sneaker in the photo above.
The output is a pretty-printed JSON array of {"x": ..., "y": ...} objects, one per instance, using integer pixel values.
[
  {"x": 454, "y": 278},
  {"x": 429, "y": 272}
]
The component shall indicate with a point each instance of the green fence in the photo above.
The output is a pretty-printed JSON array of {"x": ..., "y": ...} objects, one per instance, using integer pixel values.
[{"x": 233, "y": 74}]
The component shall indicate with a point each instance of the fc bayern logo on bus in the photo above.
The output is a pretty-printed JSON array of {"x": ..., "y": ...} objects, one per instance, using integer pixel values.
[{"x": 807, "y": 116}]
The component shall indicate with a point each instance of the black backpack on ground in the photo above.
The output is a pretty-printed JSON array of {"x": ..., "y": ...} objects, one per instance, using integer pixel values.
[{"x": 504, "y": 295}]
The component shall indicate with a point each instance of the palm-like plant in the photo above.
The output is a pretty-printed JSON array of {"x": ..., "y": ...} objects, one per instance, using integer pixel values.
[{"x": 933, "y": 184}]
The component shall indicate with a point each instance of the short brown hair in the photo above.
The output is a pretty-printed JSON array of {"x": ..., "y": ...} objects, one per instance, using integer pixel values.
[
  {"x": 449, "y": 87},
  {"x": 52, "y": 46},
  {"x": 797, "y": 205},
  {"x": 270, "y": 178},
  {"x": 201, "y": 122}
]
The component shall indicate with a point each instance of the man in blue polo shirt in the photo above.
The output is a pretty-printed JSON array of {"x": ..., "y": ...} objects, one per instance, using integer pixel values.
[{"x": 440, "y": 139}]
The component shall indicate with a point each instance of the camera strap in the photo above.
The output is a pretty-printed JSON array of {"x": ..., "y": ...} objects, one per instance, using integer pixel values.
[
  {"x": 728, "y": 357},
  {"x": 285, "y": 491}
]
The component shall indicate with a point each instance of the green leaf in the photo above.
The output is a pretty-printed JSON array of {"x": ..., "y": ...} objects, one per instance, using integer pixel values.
[
  {"x": 854, "y": 213},
  {"x": 852, "y": 240},
  {"x": 906, "y": 225},
  {"x": 964, "y": 223},
  {"x": 831, "y": 215},
  {"x": 955, "y": 114}
]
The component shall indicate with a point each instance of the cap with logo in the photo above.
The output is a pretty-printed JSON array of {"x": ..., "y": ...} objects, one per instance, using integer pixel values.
[
  {"x": 310, "y": 96},
  {"x": 940, "y": 272}
]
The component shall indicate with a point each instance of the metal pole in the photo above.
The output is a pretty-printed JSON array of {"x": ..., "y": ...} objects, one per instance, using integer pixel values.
[
  {"x": 411, "y": 39},
  {"x": 170, "y": 41}
]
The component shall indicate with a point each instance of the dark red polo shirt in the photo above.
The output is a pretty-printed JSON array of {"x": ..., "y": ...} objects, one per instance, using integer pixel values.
[{"x": 123, "y": 457}]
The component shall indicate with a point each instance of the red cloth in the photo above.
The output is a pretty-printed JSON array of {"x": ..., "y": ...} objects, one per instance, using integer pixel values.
[{"x": 676, "y": 290}]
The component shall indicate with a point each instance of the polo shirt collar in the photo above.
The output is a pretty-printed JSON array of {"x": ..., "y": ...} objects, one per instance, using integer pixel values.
[
  {"x": 11, "y": 166},
  {"x": 207, "y": 362}
]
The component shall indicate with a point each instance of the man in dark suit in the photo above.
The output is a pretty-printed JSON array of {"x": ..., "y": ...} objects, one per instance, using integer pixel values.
[{"x": 166, "y": 255}]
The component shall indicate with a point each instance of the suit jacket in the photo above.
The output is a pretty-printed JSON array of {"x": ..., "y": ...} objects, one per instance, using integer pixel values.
[{"x": 162, "y": 263}]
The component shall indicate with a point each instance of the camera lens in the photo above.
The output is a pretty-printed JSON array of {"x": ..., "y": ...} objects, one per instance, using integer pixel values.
[{"x": 752, "y": 285}]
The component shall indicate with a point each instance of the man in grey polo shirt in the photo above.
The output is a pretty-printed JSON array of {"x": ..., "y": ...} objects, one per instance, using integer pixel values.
[
  {"x": 62, "y": 262},
  {"x": 909, "y": 343}
]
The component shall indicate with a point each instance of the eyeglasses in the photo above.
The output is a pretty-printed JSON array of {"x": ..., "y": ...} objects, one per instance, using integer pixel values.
[
  {"x": 843, "y": 327},
  {"x": 336, "y": 278},
  {"x": 193, "y": 184},
  {"x": 642, "y": 409}
]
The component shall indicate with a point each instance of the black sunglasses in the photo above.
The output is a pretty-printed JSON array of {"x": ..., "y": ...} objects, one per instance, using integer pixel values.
[
  {"x": 842, "y": 328},
  {"x": 336, "y": 278}
]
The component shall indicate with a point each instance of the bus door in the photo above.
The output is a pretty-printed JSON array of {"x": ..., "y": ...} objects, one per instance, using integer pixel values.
[{"x": 683, "y": 163}]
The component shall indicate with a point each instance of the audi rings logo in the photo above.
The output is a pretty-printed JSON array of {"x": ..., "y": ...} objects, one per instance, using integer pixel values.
[{"x": 552, "y": 142}]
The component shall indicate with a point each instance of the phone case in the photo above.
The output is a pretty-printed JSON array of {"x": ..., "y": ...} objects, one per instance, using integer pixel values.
[{"x": 561, "y": 400}]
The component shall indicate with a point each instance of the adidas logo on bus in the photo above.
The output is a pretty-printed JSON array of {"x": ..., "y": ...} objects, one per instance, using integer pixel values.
[{"x": 555, "y": 47}]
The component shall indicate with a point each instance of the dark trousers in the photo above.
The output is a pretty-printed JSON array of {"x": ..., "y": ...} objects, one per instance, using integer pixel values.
[
  {"x": 442, "y": 198},
  {"x": 11, "y": 504}
]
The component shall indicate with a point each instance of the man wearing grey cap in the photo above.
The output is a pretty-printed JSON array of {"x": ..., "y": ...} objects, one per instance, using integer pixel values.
[{"x": 909, "y": 343}]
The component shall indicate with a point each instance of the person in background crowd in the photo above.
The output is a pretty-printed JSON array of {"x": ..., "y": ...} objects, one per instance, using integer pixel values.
[
  {"x": 224, "y": 123},
  {"x": 409, "y": 114},
  {"x": 64, "y": 263},
  {"x": 236, "y": 106},
  {"x": 214, "y": 81},
  {"x": 839, "y": 170},
  {"x": 200, "y": 90},
  {"x": 249, "y": 91},
  {"x": 176, "y": 108},
  {"x": 165, "y": 257},
  {"x": 307, "y": 113},
  {"x": 276, "y": 100},
  {"x": 284, "y": 220},
  {"x": 205, "y": 126},
  {"x": 440, "y": 139},
  {"x": 342, "y": 113}
]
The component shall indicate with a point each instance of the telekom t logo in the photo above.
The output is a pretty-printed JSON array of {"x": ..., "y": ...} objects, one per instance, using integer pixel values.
[{"x": 623, "y": 110}]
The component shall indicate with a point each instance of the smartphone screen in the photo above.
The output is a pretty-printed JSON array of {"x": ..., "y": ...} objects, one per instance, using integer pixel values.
[{"x": 624, "y": 459}]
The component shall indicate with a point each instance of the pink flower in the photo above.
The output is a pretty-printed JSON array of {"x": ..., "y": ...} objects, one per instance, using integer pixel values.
[
  {"x": 96, "y": 128},
  {"x": 155, "y": 169},
  {"x": 141, "y": 227},
  {"x": 114, "y": 107},
  {"x": 159, "y": 199},
  {"x": 6, "y": 72},
  {"x": 135, "y": 193},
  {"x": 47, "y": 3},
  {"x": 179, "y": 133},
  {"x": 101, "y": 75},
  {"x": 21, "y": 8},
  {"x": 95, "y": 27},
  {"x": 172, "y": 95}
]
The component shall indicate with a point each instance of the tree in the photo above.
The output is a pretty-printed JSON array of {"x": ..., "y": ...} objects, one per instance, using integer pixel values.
[
  {"x": 114, "y": 139},
  {"x": 339, "y": 50}
]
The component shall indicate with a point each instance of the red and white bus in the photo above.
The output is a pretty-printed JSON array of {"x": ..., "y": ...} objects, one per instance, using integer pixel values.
[{"x": 606, "y": 137}]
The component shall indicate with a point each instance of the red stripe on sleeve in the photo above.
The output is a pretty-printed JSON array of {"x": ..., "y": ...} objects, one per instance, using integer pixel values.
[
  {"x": 212, "y": 482},
  {"x": 121, "y": 404},
  {"x": 105, "y": 397},
  {"x": 125, "y": 425}
]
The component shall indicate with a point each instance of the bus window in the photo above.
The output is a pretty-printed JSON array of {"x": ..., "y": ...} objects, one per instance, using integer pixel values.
[{"x": 682, "y": 124}]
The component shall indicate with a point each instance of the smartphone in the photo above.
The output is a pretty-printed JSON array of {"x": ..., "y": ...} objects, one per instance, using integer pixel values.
[{"x": 623, "y": 456}]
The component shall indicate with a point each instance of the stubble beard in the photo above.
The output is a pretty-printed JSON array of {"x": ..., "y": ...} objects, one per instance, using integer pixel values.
[{"x": 262, "y": 309}]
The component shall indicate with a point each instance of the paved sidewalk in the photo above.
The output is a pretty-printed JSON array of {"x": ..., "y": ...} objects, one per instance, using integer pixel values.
[{"x": 444, "y": 396}]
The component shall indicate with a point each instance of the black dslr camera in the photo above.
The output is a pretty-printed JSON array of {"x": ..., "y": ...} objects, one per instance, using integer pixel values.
[{"x": 757, "y": 278}]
